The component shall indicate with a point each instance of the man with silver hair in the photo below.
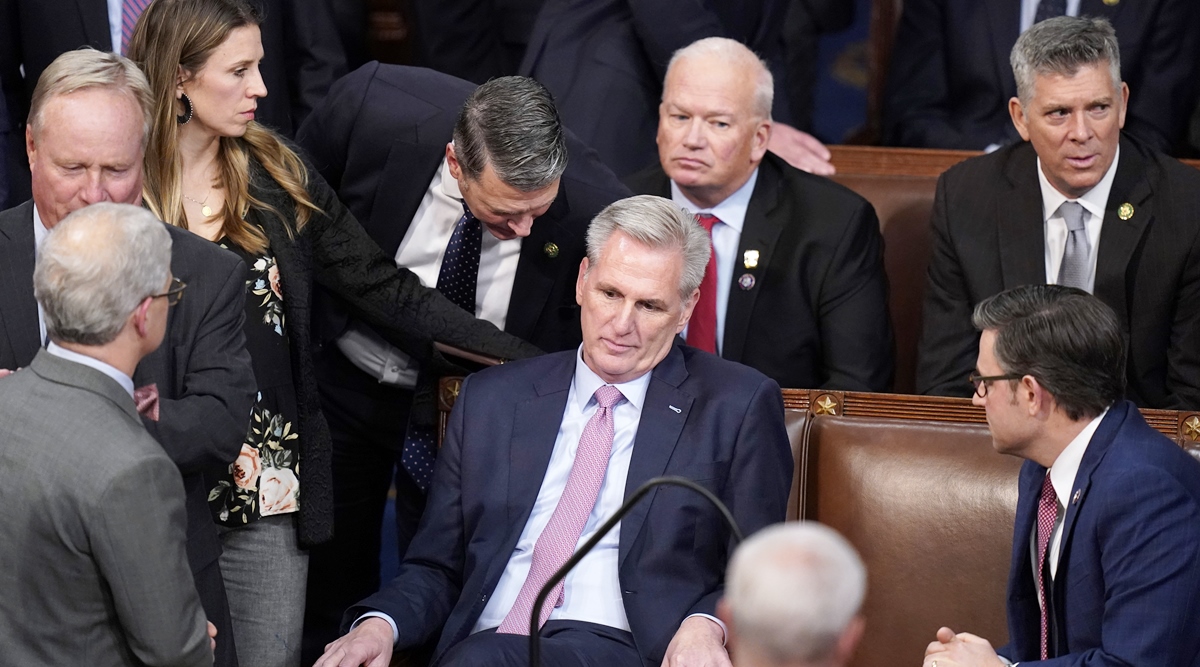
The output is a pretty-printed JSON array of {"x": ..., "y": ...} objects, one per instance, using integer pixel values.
[
  {"x": 796, "y": 288},
  {"x": 1079, "y": 203},
  {"x": 540, "y": 452},
  {"x": 471, "y": 190},
  {"x": 792, "y": 598},
  {"x": 87, "y": 130},
  {"x": 92, "y": 560}
]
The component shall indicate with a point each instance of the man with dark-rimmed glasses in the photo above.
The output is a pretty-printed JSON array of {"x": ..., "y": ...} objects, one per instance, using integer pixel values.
[{"x": 1106, "y": 545}]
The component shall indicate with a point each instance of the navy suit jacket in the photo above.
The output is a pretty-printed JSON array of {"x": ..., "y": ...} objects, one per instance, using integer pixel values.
[
  {"x": 382, "y": 182},
  {"x": 728, "y": 435},
  {"x": 950, "y": 82},
  {"x": 816, "y": 315},
  {"x": 1127, "y": 588}
]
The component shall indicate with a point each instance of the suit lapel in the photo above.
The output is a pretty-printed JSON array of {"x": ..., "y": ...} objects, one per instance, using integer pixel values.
[
  {"x": 410, "y": 167},
  {"x": 1020, "y": 227},
  {"x": 760, "y": 232},
  {"x": 657, "y": 434},
  {"x": 18, "y": 308},
  {"x": 1120, "y": 238},
  {"x": 536, "y": 272}
]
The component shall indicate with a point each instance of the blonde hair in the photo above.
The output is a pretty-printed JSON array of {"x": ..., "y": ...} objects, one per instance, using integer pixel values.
[
  {"x": 174, "y": 34},
  {"x": 88, "y": 68}
]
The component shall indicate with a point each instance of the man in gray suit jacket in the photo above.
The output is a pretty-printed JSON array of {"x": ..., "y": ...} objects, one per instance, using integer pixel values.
[{"x": 92, "y": 563}]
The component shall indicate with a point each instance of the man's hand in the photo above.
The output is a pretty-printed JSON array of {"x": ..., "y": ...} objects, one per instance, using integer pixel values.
[
  {"x": 800, "y": 149},
  {"x": 212, "y": 636},
  {"x": 960, "y": 650},
  {"x": 369, "y": 643},
  {"x": 697, "y": 643}
]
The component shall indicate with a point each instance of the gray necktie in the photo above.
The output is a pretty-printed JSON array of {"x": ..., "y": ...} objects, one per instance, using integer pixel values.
[
  {"x": 1048, "y": 9},
  {"x": 1075, "y": 260}
]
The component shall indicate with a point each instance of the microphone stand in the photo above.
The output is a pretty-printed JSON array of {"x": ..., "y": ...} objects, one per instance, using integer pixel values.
[{"x": 535, "y": 644}]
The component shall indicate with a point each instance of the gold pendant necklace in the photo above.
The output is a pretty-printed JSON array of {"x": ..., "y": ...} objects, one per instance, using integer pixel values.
[{"x": 205, "y": 209}]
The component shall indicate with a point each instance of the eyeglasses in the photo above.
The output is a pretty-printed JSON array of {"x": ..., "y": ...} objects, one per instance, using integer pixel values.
[
  {"x": 981, "y": 381},
  {"x": 175, "y": 294}
]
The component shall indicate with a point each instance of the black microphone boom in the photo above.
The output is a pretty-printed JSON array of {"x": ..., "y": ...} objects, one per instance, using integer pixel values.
[{"x": 535, "y": 644}]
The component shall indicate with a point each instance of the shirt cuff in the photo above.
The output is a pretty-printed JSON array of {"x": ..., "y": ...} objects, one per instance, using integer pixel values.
[
  {"x": 714, "y": 619},
  {"x": 396, "y": 630}
]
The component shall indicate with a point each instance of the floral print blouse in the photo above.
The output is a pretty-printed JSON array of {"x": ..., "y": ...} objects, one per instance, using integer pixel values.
[{"x": 265, "y": 478}]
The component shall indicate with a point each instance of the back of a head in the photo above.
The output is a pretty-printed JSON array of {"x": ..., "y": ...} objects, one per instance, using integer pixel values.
[
  {"x": 1068, "y": 339},
  {"x": 95, "y": 267},
  {"x": 793, "y": 590},
  {"x": 88, "y": 68},
  {"x": 512, "y": 124},
  {"x": 1062, "y": 46}
]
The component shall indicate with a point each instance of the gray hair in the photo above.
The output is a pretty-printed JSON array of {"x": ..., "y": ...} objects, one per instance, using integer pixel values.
[
  {"x": 1061, "y": 46},
  {"x": 793, "y": 589},
  {"x": 511, "y": 123},
  {"x": 96, "y": 266},
  {"x": 733, "y": 52},
  {"x": 88, "y": 68},
  {"x": 656, "y": 223},
  {"x": 1067, "y": 339}
]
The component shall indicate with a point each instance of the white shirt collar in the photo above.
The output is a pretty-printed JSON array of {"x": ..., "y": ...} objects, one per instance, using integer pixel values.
[
  {"x": 1094, "y": 201},
  {"x": 587, "y": 382},
  {"x": 731, "y": 211},
  {"x": 449, "y": 183},
  {"x": 63, "y": 353},
  {"x": 39, "y": 230},
  {"x": 1066, "y": 466}
]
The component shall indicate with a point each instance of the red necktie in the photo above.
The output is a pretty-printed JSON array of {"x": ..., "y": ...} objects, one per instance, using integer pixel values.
[
  {"x": 130, "y": 11},
  {"x": 558, "y": 539},
  {"x": 1047, "y": 516},
  {"x": 702, "y": 328}
]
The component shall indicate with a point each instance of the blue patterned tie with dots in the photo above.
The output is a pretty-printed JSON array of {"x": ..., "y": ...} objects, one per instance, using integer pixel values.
[{"x": 457, "y": 281}]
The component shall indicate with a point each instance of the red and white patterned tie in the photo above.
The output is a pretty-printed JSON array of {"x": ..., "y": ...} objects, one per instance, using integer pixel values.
[
  {"x": 557, "y": 541},
  {"x": 130, "y": 11},
  {"x": 1047, "y": 516}
]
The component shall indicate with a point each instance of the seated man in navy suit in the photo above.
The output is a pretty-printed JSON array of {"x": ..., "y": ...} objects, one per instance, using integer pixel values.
[
  {"x": 588, "y": 426},
  {"x": 1106, "y": 546}
]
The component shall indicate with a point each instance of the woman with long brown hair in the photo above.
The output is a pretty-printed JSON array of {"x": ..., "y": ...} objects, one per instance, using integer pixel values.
[{"x": 211, "y": 169}]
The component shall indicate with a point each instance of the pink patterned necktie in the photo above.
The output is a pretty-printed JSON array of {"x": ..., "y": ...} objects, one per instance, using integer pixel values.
[
  {"x": 1047, "y": 516},
  {"x": 130, "y": 11},
  {"x": 557, "y": 541}
]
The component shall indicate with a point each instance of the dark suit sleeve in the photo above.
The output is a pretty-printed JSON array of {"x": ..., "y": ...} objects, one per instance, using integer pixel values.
[
  {"x": 315, "y": 57},
  {"x": 949, "y": 343},
  {"x": 462, "y": 38},
  {"x": 137, "y": 539},
  {"x": 206, "y": 423},
  {"x": 1183, "y": 353},
  {"x": 419, "y": 599},
  {"x": 407, "y": 314},
  {"x": 760, "y": 476},
  {"x": 856, "y": 331},
  {"x": 1163, "y": 90},
  {"x": 1149, "y": 540},
  {"x": 325, "y": 134}
]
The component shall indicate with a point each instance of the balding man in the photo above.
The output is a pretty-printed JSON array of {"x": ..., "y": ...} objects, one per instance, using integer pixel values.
[
  {"x": 796, "y": 288},
  {"x": 92, "y": 560},
  {"x": 86, "y": 132},
  {"x": 792, "y": 598}
]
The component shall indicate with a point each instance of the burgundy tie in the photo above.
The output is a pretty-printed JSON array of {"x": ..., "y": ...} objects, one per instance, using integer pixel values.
[
  {"x": 702, "y": 329},
  {"x": 130, "y": 11},
  {"x": 1047, "y": 516},
  {"x": 557, "y": 541}
]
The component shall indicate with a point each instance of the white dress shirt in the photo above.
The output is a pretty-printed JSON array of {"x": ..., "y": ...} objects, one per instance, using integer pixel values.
[
  {"x": 1093, "y": 202},
  {"x": 726, "y": 236},
  {"x": 39, "y": 235},
  {"x": 1029, "y": 11},
  {"x": 421, "y": 251},
  {"x": 122, "y": 379},
  {"x": 1062, "y": 476},
  {"x": 114, "y": 24}
]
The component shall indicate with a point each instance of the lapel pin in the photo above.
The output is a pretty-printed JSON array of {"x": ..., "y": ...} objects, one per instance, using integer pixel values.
[
  {"x": 677, "y": 410},
  {"x": 1111, "y": 3},
  {"x": 551, "y": 250},
  {"x": 1075, "y": 498},
  {"x": 746, "y": 281},
  {"x": 750, "y": 259},
  {"x": 1126, "y": 211}
]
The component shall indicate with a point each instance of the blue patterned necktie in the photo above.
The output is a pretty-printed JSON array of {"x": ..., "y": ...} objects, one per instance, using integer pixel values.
[
  {"x": 1078, "y": 251},
  {"x": 1048, "y": 9},
  {"x": 459, "y": 275}
]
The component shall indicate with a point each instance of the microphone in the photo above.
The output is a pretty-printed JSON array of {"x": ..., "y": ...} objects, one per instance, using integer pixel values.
[{"x": 535, "y": 642}]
